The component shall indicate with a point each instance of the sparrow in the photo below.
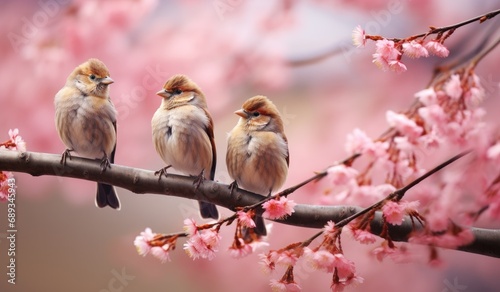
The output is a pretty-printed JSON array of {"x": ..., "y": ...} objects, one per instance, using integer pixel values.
[
  {"x": 183, "y": 134},
  {"x": 257, "y": 150},
  {"x": 86, "y": 121}
]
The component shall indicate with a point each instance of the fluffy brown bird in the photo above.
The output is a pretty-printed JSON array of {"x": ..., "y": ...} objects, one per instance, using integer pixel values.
[
  {"x": 257, "y": 150},
  {"x": 183, "y": 133},
  {"x": 86, "y": 121}
]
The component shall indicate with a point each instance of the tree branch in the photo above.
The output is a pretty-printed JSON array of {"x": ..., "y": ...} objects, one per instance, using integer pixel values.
[{"x": 142, "y": 181}]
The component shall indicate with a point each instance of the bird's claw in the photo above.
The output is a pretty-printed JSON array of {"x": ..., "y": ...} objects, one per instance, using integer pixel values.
[
  {"x": 162, "y": 171},
  {"x": 105, "y": 163},
  {"x": 199, "y": 179},
  {"x": 65, "y": 155}
]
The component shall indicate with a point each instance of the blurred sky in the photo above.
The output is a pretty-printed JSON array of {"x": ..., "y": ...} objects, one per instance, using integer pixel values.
[{"x": 66, "y": 244}]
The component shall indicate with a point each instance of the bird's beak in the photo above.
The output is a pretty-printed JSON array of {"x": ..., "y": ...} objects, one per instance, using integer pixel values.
[
  {"x": 241, "y": 113},
  {"x": 107, "y": 80},
  {"x": 164, "y": 93}
]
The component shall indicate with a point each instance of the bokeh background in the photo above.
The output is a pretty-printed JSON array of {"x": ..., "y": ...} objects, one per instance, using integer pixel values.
[{"x": 233, "y": 49}]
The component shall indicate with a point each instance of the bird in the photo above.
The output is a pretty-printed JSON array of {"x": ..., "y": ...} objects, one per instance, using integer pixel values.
[
  {"x": 86, "y": 121},
  {"x": 257, "y": 155},
  {"x": 183, "y": 134}
]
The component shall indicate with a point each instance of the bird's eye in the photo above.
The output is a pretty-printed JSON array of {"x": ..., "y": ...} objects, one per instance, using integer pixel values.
[
  {"x": 177, "y": 91},
  {"x": 92, "y": 77},
  {"x": 255, "y": 114}
]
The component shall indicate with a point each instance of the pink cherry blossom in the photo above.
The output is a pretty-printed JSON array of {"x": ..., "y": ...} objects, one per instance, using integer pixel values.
[
  {"x": 363, "y": 236},
  {"x": 326, "y": 261},
  {"x": 15, "y": 142},
  {"x": 275, "y": 209},
  {"x": 437, "y": 49},
  {"x": 383, "y": 251},
  {"x": 161, "y": 252},
  {"x": 240, "y": 249},
  {"x": 404, "y": 125},
  {"x": 393, "y": 212},
  {"x": 141, "y": 242},
  {"x": 245, "y": 219},
  {"x": 5, "y": 185},
  {"x": 330, "y": 229},
  {"x": 345, "y": 267},
  {"x": 357, "y": 142},
  {"x": 493, "y": 152},
  {"x": 397, "y": 66},
  {"x": 203, "y": 244},
  {"x": 427, "y": 96},
  {"x": 359, "y": 37},
  {"x": 190, "y": 226},
  {"x": 386, "y": 56},
  {"x": 268, "y": 261},
  {"x": 415, "y": 49},
  {"x": 287, "y": 257},
  {"x": 282, "y": 286},
  {"x": 319, "y": 260},
  {"x": 453, "y": 87},
  {"x": 434, "y": 115},
  {"x": 341, "y": 174}
]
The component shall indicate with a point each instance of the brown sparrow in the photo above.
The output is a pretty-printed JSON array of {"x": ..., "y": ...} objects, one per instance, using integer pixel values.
[
  {"x": 257, "y": 150},
  {"x": 183, "y": 133},
  {"x": 86, "y": 121}
]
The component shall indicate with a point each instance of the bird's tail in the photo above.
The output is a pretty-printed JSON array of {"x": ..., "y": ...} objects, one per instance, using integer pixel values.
[
  {"x": 208, "y": 210},
  {"x": 106, "y": 196}
]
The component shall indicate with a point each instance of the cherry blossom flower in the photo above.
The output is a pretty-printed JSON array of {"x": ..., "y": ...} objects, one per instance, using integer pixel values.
[
  {"x": 240, "y": 249},
  {"x": 4, "y": 185},
  {"x": 493, "y": 152},
  {"x": 414, "y": 49},
  {"x": 404, "y": 125},
  {"x": 363, "y": 236},
  {"x": 359, "y": 37},
  {"x": 436, "y": 48},
  {"x": 190, "y": 226},
  {"x": 18, "y": 141},
  {"x": 330, "y": 229},
  {"x": 342, "y": 175},
  {"x": 358, "y": 142},
  {"x": 15, "y": 142},
  {"x": 427, "y": 96},
  {"x": 324, "y": 260},
  {"x": 278, "y": 208},
  {"x": 319, "y": 260},
  {"x": 245, "y": 219},
  {"x": 453, "y": 87},
  {"x": 434, "y": 115},
  {"x": 141, "y": 242},
  {"x": 162, "y": 252},
  {"x": 387, "y": 56},
  {"x": 287, "y": 257},
  {"x": 397, "y": 66},
  {"x": 282, "y": 286},
  {"x": 383, "y": 251},
  {"x": 203, "y": 244},
  {"x": 393, "y": 212},
  {"x": 268, "y": 261}
]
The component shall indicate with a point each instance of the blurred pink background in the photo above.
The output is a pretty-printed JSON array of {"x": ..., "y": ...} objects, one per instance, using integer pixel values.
[{"x": 65, "y": 243}]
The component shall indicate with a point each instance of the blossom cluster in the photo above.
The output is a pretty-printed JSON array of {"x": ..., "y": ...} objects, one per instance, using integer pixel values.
[
  {"x": 388, "y": 53},
  {"x": 15, "y": 143},
  {"x": 444, "y": 116},
  {"x": 327, "y": 257},
  {"x": 203, "y": 240}
]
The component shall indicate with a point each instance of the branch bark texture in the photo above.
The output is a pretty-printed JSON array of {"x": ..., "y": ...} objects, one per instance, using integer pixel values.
[{"x": 141, "y": 181}]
